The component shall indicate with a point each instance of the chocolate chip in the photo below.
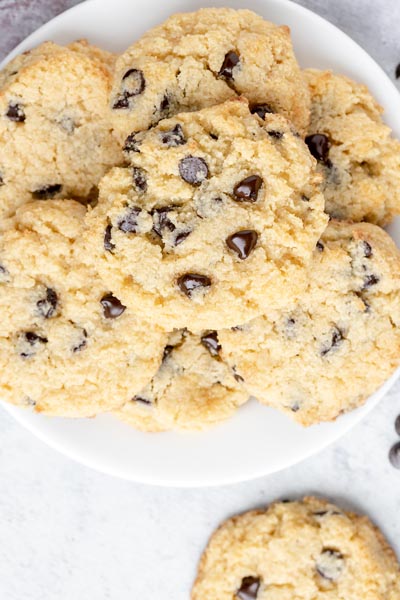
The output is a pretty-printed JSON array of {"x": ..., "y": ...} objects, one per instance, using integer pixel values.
[
  {"x": 49, "y": 191},
  {"x": 30, "y": 343},
  {"x": 247, "y": 189},
  {"x": 161, "y": 221},
  {"x": 181, "y": 237},
  {"x": 112, "y": 307},
  {"x": 191, "y": 282},
  {"x": 336, "y": 340},
  {"x": 330, "y": 564},
  {"x": 397, "y": 72},
  {"x": 295, "y": 407},
  {"x": 1, "y": 180},
  {"x": 108, "y": 244},
  {"x": 261, "y": 110},
  {"x": 15, "y": 112},
  {"x": 128, "y": 223},
  {"x": 193, "y": 169},
  {"x": 141, "y": 399},
  {"x": 139, "y": 179},
  {"x": 397, "y": 425},
  {"x": 367, "y": 249},
  {"x": 47, "y": 306},
  {"x": 210, "y": 341},
  {"x": 319, "y": 145},
  {"x": 278, "y": 135},
  {"x": 394, "y": 455},
  {"x": 213, "y": 136},
  {"x": 236, "y": 375},
  {"x": 369, "y": 281},
  {"x": 242, "y": 242},
  {"x": 82, "y": 344},
  {"x": 248, "y": 588},
  {"x": 167, "y": 351},
  {"x": 231, "y": 60},
  {"x": 132, "y": 143},
  {"x": 320, "y": 246},
  {"x": 174, "y": 137},
  {"x": 133, "y": 83},
  {"x": 305, "y": 198}
]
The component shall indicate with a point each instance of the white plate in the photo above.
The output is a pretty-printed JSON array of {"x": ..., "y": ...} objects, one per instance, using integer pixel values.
[{"x": 258, "y": 440}]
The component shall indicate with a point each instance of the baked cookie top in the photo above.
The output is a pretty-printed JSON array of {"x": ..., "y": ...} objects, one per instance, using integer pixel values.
[
  {"x": 194, "y": 60},
  {"x": 55, "y": 134},
  {"x": 214, "y": 221},
  {"x": 193, "y": 389},
  {"x": 308, "y": 550},
  {"x": 339, "y": 342},
  {"x": 64, "y": 348},
  {"x": 357, "y": 156}
]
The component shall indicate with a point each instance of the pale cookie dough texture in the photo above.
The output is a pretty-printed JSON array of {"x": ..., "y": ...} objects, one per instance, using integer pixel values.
[
  {"x": 195, "y": 60},
  {"x": 304, "y": 550},
  {"x": 357, "y": 155},
  {"x": 68, "y": 347},
  {"x": 214, "y": 222},
  {"x": 192, "y": 390},
  {"x": 55, "y": 134},
  {"x": 340, "y": 342}
]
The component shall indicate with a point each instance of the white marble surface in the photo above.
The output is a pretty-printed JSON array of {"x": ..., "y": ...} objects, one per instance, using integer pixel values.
[{"x": 68, "y": 532}]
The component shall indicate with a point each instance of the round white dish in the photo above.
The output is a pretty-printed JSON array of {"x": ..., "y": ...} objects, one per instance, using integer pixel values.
[{"x": 258, "y": 440}]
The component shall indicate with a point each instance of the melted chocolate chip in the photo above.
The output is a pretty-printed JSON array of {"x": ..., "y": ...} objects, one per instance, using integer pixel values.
[
  {"x": 247, "y": 189},
  {"x": 132, "y": 143},
  {"x": 320, "y": 246},
  {"x": 367, "y": 249},
  {"x": 210, "y": 341},
  {"x": 139, "y": 179},
  {"x": 128, "y": 223},
  {"x": 16, "y": 113},
  {"x": 49, "y": 191},
  {"x": 394, "y": 455},
  {"x": 336, "y": 340},
  {"x": 397, "y": 72},
  {"x": 141, "y": 399},
  {"x": 242, "y": 242},
  {"x": 112, "y": 307},
  {"x": 161, "y": 221},
  {"x": 397, "y": 425},
  {"x": 191, "y": 282},
  {"x": 261, "y": 110},
  {"x": 47, "y": 306},
  {"x": 193, "y": 169},
  {"x": 108, "y": 244},
  {"x": 82, "y": 344},
  {"x": 248, "y": 588},
  {"x": 31, "y": 341},
  {"x": 174, "y": 137},
  {"x": 278, "y": 135},
  {"x": 231, "y": 60},
  {"x": 370, "y": 280},
  {"x": 133, "y": 84},
  {"x": 330, "y": 564},
  {"x": 319, "y": 145}
]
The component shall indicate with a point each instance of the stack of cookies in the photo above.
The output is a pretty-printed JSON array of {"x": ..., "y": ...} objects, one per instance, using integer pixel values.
[{"x": 192, "y": 223}]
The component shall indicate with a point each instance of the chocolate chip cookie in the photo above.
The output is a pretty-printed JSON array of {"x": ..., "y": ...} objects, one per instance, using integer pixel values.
[
  {"x": 336, "y": 345},
  {"x": 357, "y": 156},
  {"x": 193, "y": 389},
  {"x": 308, "y": 550},
  {"x": 198, "y": 59},
  {"x": 55, "y": 135},
  {"x": 64, "y": 348},
  {"x": 214, "y": 221}
]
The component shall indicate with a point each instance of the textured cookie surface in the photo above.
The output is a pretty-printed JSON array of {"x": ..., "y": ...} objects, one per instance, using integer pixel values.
[
  {"x": 357, "y": 156},
  {"x": 193, "y": 389},
  {"x": 214, "y": 221},
  {"x": 55, "y": 133},
  {"x": 67, "y": 345},
  {"x": 308, "y": 550},
  {"x": 340, "y": 342},
  {"x": 198, "y": 59}
]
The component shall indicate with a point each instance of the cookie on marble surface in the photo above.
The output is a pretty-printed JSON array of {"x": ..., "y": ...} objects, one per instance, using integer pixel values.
[
  {"x": 193, "y": 389},
  {"x": 357, "y": 156},
  {"x": 339, "y": 342},
  {"x": 68, "y": 346},
  {"x": 213, "y": 223},
  {"x": 195, "y": 60},
  {"x": 303, "y": 550},
  {"x": 55, "y": 134}
]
